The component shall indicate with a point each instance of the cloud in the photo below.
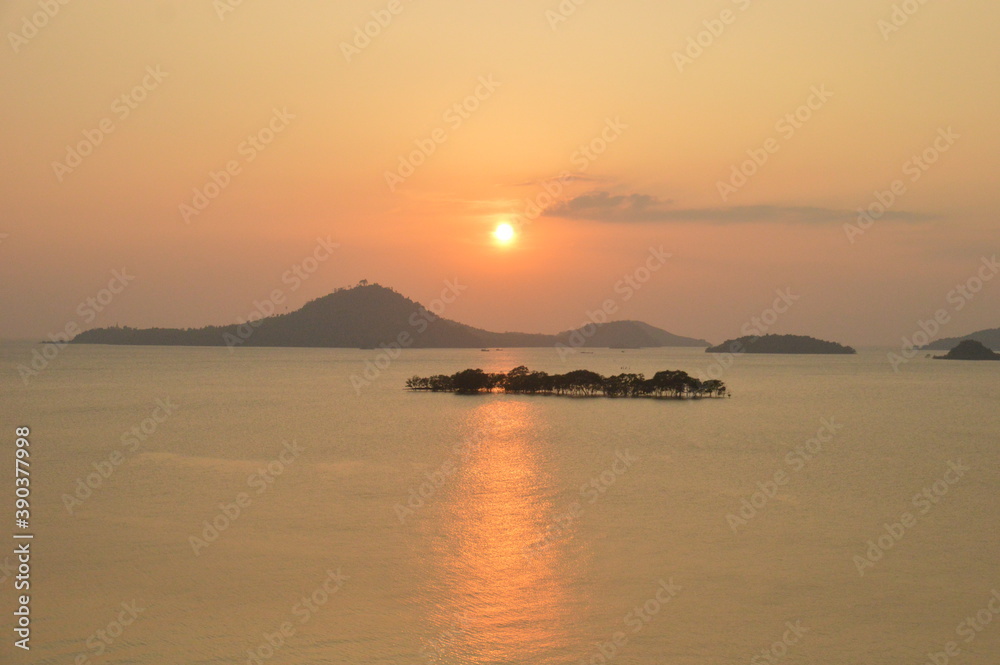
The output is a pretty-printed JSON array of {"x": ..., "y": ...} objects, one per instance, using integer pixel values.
[
  {"x": 638, "y": 208},
  {"x": 576, "y": 177}
]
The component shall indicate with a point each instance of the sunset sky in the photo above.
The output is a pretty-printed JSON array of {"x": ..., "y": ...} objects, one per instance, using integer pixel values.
[{"x": 171, "y": 93}]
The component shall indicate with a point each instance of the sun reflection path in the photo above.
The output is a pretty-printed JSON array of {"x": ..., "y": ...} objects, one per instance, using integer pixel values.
[{"x": 511, "y": 601}]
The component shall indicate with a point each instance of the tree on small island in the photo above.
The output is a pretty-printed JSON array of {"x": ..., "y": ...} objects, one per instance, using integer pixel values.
[
  {"x": 578, "y": 383},
  {"x": 970, "y": 349}
]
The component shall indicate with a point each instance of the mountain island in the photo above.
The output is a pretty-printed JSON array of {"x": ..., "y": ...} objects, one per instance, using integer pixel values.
[
  {"x": 780, "y": 344},
  {"x": 970, "y": 350},
  {"x": 368, "y": 315}
]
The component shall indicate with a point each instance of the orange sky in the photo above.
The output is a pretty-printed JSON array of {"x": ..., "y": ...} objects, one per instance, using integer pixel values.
[{"x": 334, "y": 114}]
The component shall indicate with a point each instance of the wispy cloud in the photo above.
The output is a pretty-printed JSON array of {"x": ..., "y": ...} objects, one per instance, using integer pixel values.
[
  {"x": 575, "y": 177},
  {"x": 637, "y": 208}
]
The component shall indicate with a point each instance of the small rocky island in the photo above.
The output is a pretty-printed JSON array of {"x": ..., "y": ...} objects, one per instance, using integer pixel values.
[
  {"x": 780, "y": 344},
  {"x": 970, "y": 349},
  {"x": 579, "y": 383}
]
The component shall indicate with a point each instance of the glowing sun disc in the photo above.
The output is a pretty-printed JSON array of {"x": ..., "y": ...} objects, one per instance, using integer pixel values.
[{"x": 504, "y": 233}]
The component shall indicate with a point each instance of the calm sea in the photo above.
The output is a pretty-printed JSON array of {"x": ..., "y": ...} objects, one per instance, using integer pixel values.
[{"x": 196, "y": 506}]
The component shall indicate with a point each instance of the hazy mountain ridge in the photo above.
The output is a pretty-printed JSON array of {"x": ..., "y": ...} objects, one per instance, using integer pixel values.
[
  {"x": 626, "y": 334},
  {"x": 989, "y": 338},
  {"x": 369, "y": 315}
]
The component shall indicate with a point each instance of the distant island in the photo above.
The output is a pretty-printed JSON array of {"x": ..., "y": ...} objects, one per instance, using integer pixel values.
[
  {"x": 970, "y": 349},
  {"x": 625, "y": 335},
  {"x": 780, "y": 344},
  {"x": 579, "y": 383},
  {"x": 368, "y": 316},
  {"x": 989, "y": 338}
]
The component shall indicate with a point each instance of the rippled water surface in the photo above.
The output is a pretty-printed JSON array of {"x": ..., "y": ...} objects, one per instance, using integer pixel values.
[{"x": 393, "y": 527}]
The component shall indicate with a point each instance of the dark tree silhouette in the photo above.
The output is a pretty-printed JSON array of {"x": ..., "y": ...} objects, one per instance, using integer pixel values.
[
  {"x": 579, "y": 383},
  {"x": 471, "y": 381}
]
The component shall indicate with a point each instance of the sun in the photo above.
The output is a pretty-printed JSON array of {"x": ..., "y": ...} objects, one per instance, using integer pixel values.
[{"x": 504, "y": 233}]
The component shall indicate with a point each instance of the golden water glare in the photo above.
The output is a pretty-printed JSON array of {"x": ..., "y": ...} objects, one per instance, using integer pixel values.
[{"x": 508, "y": 596}]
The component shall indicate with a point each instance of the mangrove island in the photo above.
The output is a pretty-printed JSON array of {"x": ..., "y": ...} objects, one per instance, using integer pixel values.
[{"x": 578, "y": 383}]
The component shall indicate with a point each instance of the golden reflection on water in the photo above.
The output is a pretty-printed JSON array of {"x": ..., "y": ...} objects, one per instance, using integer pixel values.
[{"x": 501, "y": 599}]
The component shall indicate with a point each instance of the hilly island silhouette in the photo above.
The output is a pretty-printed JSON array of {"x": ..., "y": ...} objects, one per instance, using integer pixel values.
[
  {"x": 795, "y": 344},
  {"x": 989, "y": 338},
  {"x": 367, "y": 315},
  {"x": 970, "y": 349}
]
